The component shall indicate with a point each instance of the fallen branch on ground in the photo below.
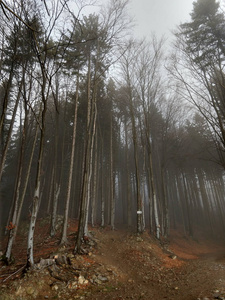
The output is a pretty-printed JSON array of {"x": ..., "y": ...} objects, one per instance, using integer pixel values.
[{"x": 21, "y": 269}]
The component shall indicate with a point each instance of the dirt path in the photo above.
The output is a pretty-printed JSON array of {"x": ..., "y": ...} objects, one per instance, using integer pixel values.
[
  {"x": 143, "y": 271},
  {"x": 123, "y": 266},
  {"x": 200, "y": 279}
]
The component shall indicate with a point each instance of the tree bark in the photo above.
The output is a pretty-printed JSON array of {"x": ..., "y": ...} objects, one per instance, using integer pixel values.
[
  {"x": 66, "y": 211},
  {"x": 15, "y": 215},
  {"x": 96, "y": 175},
  {"x": 9, "y": 134},
  {"x": 112, "y": 197}
]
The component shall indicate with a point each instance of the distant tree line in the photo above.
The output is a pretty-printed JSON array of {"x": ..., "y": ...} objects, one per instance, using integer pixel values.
[{"x": 94, "y": 127}]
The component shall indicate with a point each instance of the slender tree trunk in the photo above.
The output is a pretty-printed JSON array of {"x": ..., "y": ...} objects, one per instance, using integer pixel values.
[
  {"x": 78, "y": 248},
  {"x": 12, "y": 231},
  {"x": 86, "y": 233},
  {"x": 66, "y": 211},
  {"x": 54, "y": 209},
  {"x": 37, "y": 190},
  {"x": 26, "y": 181},
  {"x": 137, "y": 177},
  {"x": 112, "y": 197},
  {"x": 153, "y": 193},
  {"x": 9, "y": 135},
  {"x": 91, "y": 125},
  {"x": 129, "y": 202},
  {"x": 87, "y": 157},
  {"x": 102, "y": 195},
  {"x": 172, "y": 195},
  {"x": 205, "y": 201},
  {"x": 50, "y": 190},
  {"x": 6, "y": 99},
  {"x": 153, "y": 205},
  {"x": 143, "y": 215},
  {"x": 150, "y": 201},
  {"x": 84, "y": 193},
  {"x": 214, "y": 187},
  {"x": 57, "y": 173},
  {"x": 36, "y": 197},
  {"x": 96, "y": 174},
  {"x": 165, "y": 204},
  {"x": 137, "y": 173},
  {"x": 180, "y": 192},
  {"x": 187, "y": 207}
]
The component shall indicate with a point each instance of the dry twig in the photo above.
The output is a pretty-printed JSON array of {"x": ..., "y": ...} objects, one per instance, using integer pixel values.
[{"x": 21, "y": 269}]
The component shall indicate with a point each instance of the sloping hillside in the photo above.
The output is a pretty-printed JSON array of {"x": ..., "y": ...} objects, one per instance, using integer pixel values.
[{"x": 118, "y": 265}]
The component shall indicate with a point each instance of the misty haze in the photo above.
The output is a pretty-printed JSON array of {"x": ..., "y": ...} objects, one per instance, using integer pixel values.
[{"x": 112, "y": 149}]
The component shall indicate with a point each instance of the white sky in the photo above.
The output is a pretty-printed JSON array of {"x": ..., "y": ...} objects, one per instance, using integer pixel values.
[{"x": 159, "y": 16}]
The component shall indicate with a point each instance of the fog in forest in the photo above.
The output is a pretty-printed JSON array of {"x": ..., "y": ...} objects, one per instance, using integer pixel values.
[{"x": 100, "y": 125}]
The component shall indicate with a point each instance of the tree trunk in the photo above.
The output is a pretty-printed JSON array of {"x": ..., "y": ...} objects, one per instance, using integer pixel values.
[
  {"x": 87, "y": 157},
  {"x": 26, "y": 181},
  {"x": 54, "y": 209},
  {"x": 9, "y": 135},
  {"x": 37, "y": 190},
  {"x": 86, "y": 233},
  {"x": 83, "y": 204},
  {"x": 112, "y": 197},
  {"x": 102, "y": 195},
  {"x": 15, "y": 216},
  {"x": 205, "y": 201},
  {"x": 57, "y": 173},
  {"x": 96, "y": 174},
  {"x": 6, "y": 99},
  {"x": 187, "y": 207},
  {"x": 165, "y": 205},
  {"x": 66, "y": 211},
  {"x": 36, "y": 198},
  {"x": 153, "y": 193},
  {"x": 137, "y": 173}
]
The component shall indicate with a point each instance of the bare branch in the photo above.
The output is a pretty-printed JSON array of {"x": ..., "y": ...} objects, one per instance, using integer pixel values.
[{"x": 4, "y": 6}]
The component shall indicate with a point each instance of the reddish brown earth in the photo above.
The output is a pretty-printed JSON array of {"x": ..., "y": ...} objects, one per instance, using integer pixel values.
[{"x": 118, "y": 265}]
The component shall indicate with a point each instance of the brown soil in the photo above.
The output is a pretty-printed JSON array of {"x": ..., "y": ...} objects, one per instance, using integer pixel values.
[{"x": 118, "y": 265}]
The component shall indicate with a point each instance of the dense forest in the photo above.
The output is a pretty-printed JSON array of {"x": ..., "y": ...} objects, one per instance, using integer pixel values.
[{"x": 110, "y": 130}]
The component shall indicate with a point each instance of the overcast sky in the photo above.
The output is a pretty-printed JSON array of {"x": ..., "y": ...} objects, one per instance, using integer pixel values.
[{"x": 159, "y": 16}]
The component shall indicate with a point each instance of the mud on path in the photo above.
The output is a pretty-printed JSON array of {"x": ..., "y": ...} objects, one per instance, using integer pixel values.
[{"x": 120, "y": 265}]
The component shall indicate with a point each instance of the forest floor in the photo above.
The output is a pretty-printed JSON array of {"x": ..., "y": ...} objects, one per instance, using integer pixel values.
[{"x": 118, "y": 265}]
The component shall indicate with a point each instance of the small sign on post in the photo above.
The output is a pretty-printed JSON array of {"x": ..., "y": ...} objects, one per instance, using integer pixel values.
[{"x": 139, "y": 212}]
